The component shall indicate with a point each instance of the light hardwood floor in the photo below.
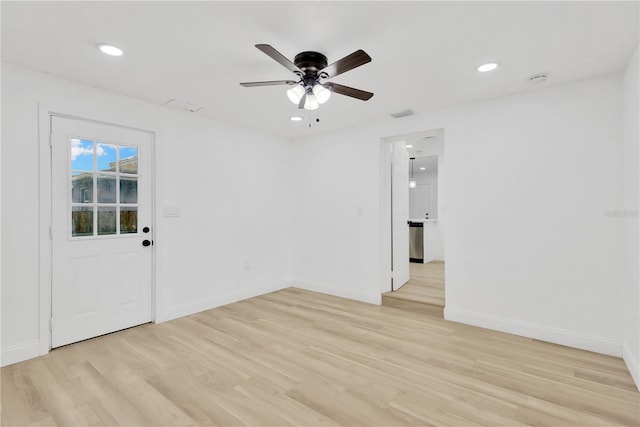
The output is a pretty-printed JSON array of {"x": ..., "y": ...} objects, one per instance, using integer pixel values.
[
  {"x": 299, "y": 358},
  {"x": 424, "y": 292}
]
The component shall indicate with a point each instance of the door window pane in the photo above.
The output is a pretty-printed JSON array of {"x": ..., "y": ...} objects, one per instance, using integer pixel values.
[
  {"x": 106, "y": 220},
  {"x": 81, "y": 154},
  {"x": 128, "y": 159},
  {"x": 128, "y": 220},
  {"x": 106, "y": 157},
  {"x": 128, "y": 190},
  {"x": 81, "y": 221},
  {"x": 106, "y": 189},
  {"x": 81, "y": 187},
  {"x": 104, "y": 177}
]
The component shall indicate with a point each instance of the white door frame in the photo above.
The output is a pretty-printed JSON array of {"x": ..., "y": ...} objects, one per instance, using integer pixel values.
[
  {"x": 45, "y": 114},
  {"x": 385, "y": 215}
]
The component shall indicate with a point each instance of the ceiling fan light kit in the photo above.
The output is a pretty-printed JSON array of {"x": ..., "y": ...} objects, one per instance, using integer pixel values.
[
  {"x": 311, "y": 68},
  {"x": 322, "y": 93},
  {"x": 296, "y": 93},
  {"x": 310, "y": 101}
]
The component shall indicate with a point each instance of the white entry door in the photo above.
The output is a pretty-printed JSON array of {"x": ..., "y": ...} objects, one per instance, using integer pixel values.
[
  {"x": 400, "y": 213},
  {"x": 101, "y": 229}
]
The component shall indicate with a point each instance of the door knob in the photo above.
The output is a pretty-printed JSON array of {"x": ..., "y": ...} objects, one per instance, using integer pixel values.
[
  {"x": 145, "y": 230},
  {"x": 146, "y": 243}
]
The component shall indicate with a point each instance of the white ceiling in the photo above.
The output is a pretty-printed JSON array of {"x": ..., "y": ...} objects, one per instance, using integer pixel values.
[
  {"x": 430, "y": 164},
  {"x": 424, "y": 53}
]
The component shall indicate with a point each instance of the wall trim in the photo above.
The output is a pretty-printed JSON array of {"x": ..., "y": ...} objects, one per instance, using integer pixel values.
[
  {"x": 368, "y": 297},
  {"x": 539, "y": 332},
  {"x": 44, "y": 222},
  {"x": 220, "y": 300},
  {"x": 633, "y": 364},
  {"x": 19, "y": 352}
]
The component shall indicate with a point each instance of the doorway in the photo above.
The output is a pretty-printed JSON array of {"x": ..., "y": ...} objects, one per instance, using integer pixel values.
[
  {"x": 425, "y": 288},
  {"x": 101, "y": 229}
]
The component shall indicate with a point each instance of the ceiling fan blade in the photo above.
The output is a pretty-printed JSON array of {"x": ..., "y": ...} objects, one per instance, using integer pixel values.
[
  {"x": 280, "y": 58},
  {"x": 349, "y": 62},
  {"x": 269, "y": 83},
  {"x": 348, "y": 91}
]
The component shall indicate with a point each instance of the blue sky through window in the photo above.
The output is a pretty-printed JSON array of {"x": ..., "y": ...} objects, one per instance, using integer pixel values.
[
  {"x": 82, "y": 152},
  {"x": 126, "y": 152},
  {"x": 106, "y": 156},
  {"x": 81, "y": 155}
]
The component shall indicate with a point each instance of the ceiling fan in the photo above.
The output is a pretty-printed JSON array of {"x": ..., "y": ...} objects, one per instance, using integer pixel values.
[{"x": 311, "y": 90}]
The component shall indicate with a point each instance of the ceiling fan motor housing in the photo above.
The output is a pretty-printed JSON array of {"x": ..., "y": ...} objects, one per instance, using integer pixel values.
[{"x": 310, "y": 62}]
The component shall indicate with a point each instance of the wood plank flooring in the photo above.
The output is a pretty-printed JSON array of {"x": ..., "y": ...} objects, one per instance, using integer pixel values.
[
  {"x": 424, "y": 292},
  {"x": 299, "y": 358}
]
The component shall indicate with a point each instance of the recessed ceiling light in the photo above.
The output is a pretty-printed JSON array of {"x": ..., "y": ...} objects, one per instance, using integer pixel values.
[
  {"x": 423, "y": 169},
  {"x": 110, "y": 49},
  {"x": 409, "y": 146},
  {"x": 295, "y": 118},
  {"x": 490, "y": 66}
]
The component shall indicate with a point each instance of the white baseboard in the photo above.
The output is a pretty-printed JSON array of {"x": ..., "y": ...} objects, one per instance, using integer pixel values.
[
  {"x": 368, "y": 297},
  {"x": 633, "y": 363},
  {"x": 20, "y": 352},
  {"x": 539, "y": 332},
  {"x": 219, "y": 300}
]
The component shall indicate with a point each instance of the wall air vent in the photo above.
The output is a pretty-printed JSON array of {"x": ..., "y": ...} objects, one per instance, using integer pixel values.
[
  {"x": 403, "y": 113},
  {"x": 182, "y": 105}
]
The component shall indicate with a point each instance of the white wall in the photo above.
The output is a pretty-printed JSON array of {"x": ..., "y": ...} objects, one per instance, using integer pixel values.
[
  {"x": 629, "y": 215},
  {"x": 529, "y": 248},
  {"x": 429, "y": 194},
  {"x": 434, "y": 231},
  {"x": 527, "y": 252},
  {"x": 232, "y": 187},
  {"x": 335, "y": 215},
  {"x": 433, "y": 248}
]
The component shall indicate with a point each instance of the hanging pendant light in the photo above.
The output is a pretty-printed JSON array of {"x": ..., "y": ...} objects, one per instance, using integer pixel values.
[{"x": 412, "y": 181}]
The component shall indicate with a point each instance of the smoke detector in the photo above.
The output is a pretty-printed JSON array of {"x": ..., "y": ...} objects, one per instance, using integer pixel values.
[{"x": 539, "y": 78}]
